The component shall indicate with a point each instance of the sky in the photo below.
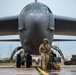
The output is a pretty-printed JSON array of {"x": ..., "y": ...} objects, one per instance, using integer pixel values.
[{"x": 58, "y": 7}]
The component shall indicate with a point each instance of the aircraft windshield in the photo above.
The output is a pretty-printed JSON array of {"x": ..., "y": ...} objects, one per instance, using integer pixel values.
[
  {"x": 36, "y": 8},
  {"x": 42, "y": 8},
  {"x": 28, "y": 8}
]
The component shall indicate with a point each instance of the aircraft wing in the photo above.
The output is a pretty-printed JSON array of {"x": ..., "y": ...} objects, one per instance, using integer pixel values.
[
  {"x": 65, "y": 25},
  {"x": 9, "y": 25},
  {"x": 58, "y": 40},
  {"x": 9, "y": 40},
  {"x": 18, "y": 40}
]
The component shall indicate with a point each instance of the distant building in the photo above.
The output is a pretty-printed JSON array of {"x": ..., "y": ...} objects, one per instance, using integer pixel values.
[
  {"x": 68, "y": 58},
  {"x": 0, "y": 58}
]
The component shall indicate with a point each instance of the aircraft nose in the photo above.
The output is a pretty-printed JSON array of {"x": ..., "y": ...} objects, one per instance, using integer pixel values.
[
  {"x": 36, "y": 23},
  {"x": 36, "y": 20}
]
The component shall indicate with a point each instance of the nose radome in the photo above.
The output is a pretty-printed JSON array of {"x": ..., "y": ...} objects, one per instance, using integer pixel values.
[{"x": 36, "y": 20}]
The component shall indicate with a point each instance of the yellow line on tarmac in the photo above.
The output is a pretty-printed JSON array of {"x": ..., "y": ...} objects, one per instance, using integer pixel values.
[{"x": 43, "y": 72}]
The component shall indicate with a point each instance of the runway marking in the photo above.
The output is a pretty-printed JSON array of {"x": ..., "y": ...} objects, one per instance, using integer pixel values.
[{"x": 43, "y": 72}]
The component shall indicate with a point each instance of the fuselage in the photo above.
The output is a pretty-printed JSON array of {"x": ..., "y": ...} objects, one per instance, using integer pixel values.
[{"x": 36, "y": 22}]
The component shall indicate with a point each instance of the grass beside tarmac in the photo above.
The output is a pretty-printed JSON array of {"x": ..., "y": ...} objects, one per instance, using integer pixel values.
[{"x": 7, "y": 64}]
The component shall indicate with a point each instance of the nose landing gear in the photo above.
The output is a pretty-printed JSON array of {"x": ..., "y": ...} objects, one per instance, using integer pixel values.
[
  {"x": 28, "y": 61},
  {"x": 22, "y": 58}
]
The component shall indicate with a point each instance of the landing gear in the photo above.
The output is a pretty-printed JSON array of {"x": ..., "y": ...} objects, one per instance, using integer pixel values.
[
  {"x": 23, "y": 63},
  {"x": 18, "y": 62},
  {"x": 28, "y": 60},
  {"x": 21, "y": 58}
]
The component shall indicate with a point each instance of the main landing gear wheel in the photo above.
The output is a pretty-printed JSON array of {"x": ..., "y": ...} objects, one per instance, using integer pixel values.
[
  {"x": 18, "y": 62},
  {"x": 28, "y": 61}
]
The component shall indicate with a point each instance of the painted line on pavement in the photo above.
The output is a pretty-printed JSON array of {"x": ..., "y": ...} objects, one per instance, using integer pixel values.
[{"x": 42, "y": 72}]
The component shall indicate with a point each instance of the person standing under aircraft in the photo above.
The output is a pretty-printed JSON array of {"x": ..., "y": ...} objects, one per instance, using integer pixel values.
[{"x": 45, "y": 50}]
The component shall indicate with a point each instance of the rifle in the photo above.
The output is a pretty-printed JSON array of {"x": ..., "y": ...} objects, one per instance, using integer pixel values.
[{"x": 46, "y": 49}]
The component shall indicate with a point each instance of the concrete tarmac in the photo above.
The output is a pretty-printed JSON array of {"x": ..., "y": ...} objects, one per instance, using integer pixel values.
[{"x": 10, "y": 69}]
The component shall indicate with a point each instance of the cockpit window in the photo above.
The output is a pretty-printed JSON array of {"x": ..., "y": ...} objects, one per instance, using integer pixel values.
[
  {"x": 28, "y": 8},
  {"x": 42, "y": 8},
  {"x": 45, "y": 9},
  {"x": 36, "y": 8}
]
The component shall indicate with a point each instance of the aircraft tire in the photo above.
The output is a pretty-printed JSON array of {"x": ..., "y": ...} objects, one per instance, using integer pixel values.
[
  {"x": 28, "y": 61},
  {"x": 18, "y": 63}
]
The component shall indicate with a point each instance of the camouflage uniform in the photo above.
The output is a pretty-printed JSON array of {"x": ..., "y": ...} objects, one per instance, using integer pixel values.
[{"x": 44, "y": 50}]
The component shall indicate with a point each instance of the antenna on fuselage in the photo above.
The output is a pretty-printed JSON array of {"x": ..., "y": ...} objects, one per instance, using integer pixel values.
[{"x": 35, "y": 0}]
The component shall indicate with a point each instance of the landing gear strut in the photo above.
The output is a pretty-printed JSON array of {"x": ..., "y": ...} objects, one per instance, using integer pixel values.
[{"x": 28, "y": 60}]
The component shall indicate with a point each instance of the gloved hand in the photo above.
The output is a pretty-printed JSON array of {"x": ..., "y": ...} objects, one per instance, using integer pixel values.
[{"x": 45, "y": 51}]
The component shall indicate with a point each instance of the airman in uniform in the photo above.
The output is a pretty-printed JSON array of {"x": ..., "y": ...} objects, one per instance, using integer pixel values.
[{"x": 45, "y": 50}]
